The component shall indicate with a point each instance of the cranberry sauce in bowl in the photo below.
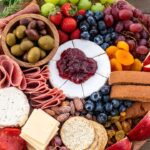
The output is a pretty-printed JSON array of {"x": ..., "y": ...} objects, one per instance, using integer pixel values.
[{"x": 75, "y": 66}]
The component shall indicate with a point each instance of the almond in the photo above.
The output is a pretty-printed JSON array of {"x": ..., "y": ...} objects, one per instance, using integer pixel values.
[
  {"x": 72, "y": 108},
  {"x": 63, "y": 117},
  {"x": 50, "y": 112},
  {"x": 64, "y": 109},
  {"x": 78, "y": 104}
]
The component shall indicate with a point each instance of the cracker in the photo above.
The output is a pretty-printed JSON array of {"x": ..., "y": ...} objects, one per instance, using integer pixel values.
[
  {"x": 77, "y": 133},
  {"x": 102, "y": 134}
]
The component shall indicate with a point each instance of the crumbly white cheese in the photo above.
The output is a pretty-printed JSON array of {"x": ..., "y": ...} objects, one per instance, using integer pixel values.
[{"x": 14, "y": 107}]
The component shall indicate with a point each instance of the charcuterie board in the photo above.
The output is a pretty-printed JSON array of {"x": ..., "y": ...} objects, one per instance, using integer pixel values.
[{"x": 74, "y": 75}]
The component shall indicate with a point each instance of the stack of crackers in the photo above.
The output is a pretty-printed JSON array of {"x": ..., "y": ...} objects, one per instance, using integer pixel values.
[{"x": 78, "y": 133}]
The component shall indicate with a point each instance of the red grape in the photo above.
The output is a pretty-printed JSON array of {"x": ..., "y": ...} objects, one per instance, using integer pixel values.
[
  {"x": 145, "y": 19},
  {"x": 142, "y": 50},
  {"x": 107, "y": 11},
  {"x": 127, "y": 23},
  {"x": 144, "y": 34},
  {"x": 136, "y": 27},
  {"x": 121, "y": 5},
  {"x": 137, "y": 13},
  {"x": 63, "y": 148},
  {"x": 142, "y": 42},
  {"x": 109, "y": 20},
  {"x": 120, "y": 38},
  {"x": 57, "y": 141},
  {"x": 137, "y": 35},
  {"x": 125, "y": 14},
  {"x": 131, "y": 44},
  {"x": 115, "y": 13},
  {"x": 119, "y": 27}
]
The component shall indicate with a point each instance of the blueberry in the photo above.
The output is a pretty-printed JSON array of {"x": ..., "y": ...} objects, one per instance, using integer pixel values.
[
  {"x": 105, "y": 89},
  {"x": 91, "y": 20},
  {"x": 85, "y": 35},
  {"x": 108, "y": 107},
  {"x": 122, "y": 108},
  {"x": 128, "y": 103},
  {"x": 98, "y": 15},
  {"x": 115, "y": 103},
  {"x": 110, "y": 42},
  {"x": 89, "y": 105},
  {"x": 103, "y": 32},
  {"x": 113, "y": 35},
  {"x": 84, "y": 23},
  {"x": 104, "y": 46},
  {"x": 89, "y": 13},
  {"x": 114, "y": 112},
  {"x": 79, "y": 18},
  {"x": 106, "y": 98},
  {"x": 84, "y": 28},
  {"x": 108, "y": 38},
  {"x": 98, "y": 39},
  {"x": 93, "y": 32},
  {"x": 99, "y": 107},
  {"x": 102, "y": 118},
  {"x": 110, "y": 30},
  {"x": 95, "y": 96},
  {"x": 101, "y": 25}
]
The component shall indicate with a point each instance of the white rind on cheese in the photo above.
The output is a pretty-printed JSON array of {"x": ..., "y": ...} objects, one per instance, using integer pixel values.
[
  {"x": 93, "y": 84},
  {"x": 62, "y": 48},
  {"x": 103, "y": 64},
  {"x": 89, "y": 48},
  {"x": 14, "y": 107},
  {"x": 54, "y": 77},
  {"x": 72, "y": 90}
]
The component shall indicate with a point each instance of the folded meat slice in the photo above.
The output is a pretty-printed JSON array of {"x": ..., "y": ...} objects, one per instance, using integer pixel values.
[{"x": 32, "y": 72}]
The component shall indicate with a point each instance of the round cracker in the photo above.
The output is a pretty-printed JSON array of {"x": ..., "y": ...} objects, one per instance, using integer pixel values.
[
  {"x": 94, "y": 144},
  {"x": 77, "y": 133},
  {"x": 102, "y": 134}
]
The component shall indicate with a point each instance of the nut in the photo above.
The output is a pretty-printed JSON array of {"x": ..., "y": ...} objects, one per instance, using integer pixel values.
[
  {"x": 78, "y": 104},
  {"x": 63, "y": 117},
  {"x": 55, "y": 109},
  {"x": 89, "y": 116},
  {"x": 50, "y": 112},
  {"x": 64, "y": 109},
  {"x": 72, "y": 108},
  {"x": 65, "y": 103}
]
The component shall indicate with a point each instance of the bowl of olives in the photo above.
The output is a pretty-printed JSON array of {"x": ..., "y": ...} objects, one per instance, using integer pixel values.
[{"x": 31, "y": 40}]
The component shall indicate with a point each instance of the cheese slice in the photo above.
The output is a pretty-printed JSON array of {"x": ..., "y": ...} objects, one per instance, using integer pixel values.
[
  {"x": 36, "y": 145},
  {"x": 39, "y": 126}
]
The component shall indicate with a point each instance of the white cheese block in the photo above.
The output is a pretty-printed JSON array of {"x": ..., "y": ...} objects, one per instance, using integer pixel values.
[
  {"x": 93, "y": 84},
  {"x": 14, "y": 107},
  {"x": 89, "y": 48},
  {"x": 103, "y": 64},
  {"x": 61, "y": 48},
  {"x": 54, "y": 77},
  {"x": 39, "y": 126},
  {"x": 72, "y": 90}
]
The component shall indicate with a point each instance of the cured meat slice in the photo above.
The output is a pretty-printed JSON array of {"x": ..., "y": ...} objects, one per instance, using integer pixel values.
[
  {"x": 32, "y": 71},
  {"x": 23, "y": 84}
]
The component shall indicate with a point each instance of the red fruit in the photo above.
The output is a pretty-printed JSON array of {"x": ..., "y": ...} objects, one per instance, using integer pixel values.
[
  {"x": 147, "y": 60},
  {"x": 142, "y": 50},
  {"x": 69, "y": 9},
  {"x": 125, "y": 14},
  {"x": 10, "y": 139},
  {"x": 56, "y": 18},
  {"x": 124, "y": 144},
  {"x": 136, "y": 27},
  {"x": 81, "y": 12},
  {"x": 109, "y": 20},
  {"x": 69, "y": 24},
  {"x": 142, "y": 130},
  {"x": 75, "y": 34},
  {"x": 63, "y": 37},
  {"x": 146, "y": 68}
]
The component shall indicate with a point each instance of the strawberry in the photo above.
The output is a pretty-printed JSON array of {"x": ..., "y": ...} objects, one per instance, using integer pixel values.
[
  {"x": 81, "y": 12},
  {"x": 63, "y": 37},
  {"x": 69, "y": 24},
  {"x": 69, "y": 9},
  {"x": 56, "y": 18},
  {"x": 75, "y": 34}
]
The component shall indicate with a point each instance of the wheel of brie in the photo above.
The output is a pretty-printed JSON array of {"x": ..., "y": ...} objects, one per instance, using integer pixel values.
[{"x": 79, "y": 68}]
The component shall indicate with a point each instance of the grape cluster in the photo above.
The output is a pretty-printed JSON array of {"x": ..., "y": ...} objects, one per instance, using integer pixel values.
[
  {"x": 131, "y": 25},
  {"x": 100, "y": 105},
  {"x": 93, "y": 28}
]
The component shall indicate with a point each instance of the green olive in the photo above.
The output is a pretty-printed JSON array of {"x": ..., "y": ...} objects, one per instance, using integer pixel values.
[
  {"x": 14, "y": 31},
  {"x": 43, "y": 54},
  {"x": 20, "y": 31},
  {"x": 34, "y": 55},
  {"x": 46, "y": 42},
  {"x": 11, "y": 39},
  {"x": 16, "y": 50},
  {"x": 26, "y": 45}
]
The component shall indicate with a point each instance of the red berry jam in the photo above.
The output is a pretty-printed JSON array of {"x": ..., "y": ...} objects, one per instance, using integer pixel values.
[{"x": 75, "y": 66}]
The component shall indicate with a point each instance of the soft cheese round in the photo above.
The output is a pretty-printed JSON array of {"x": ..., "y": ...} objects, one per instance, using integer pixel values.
[{"x": 14, "y": 107}]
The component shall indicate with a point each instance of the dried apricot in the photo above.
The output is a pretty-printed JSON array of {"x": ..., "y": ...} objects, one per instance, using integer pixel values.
[
  {"x": 126, "y": 68},
  {"x": 115, "y": 65},
  {"x": 137, "y": 65},
  {"x": 124, "y": 58},
  {"x": 123, "y": 45},
  {"x": 111, "y": 50},
  {"x": 119, "y": 135}
]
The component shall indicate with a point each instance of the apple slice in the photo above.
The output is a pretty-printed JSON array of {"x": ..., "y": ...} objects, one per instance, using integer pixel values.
[
  {"x": 124, "y": 144},
  {"x": 146, "y": 68},
  {"x": 147, "y": 60},
  {"x": 142, "y": 130}
]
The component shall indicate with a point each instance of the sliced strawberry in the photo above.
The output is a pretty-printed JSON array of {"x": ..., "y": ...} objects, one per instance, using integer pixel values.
[
  {"x": 75, "y": 34},
  {"x": 124, "y": 144},
  {"x": 56, "y": 18},
  {"x": 81, "y": 12},
  {"x": 142, "y": 130},
  {"x": 63, "y": 37},
  {"x": 147, "y": 60},
  {"x": 146, "y": 68}
]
